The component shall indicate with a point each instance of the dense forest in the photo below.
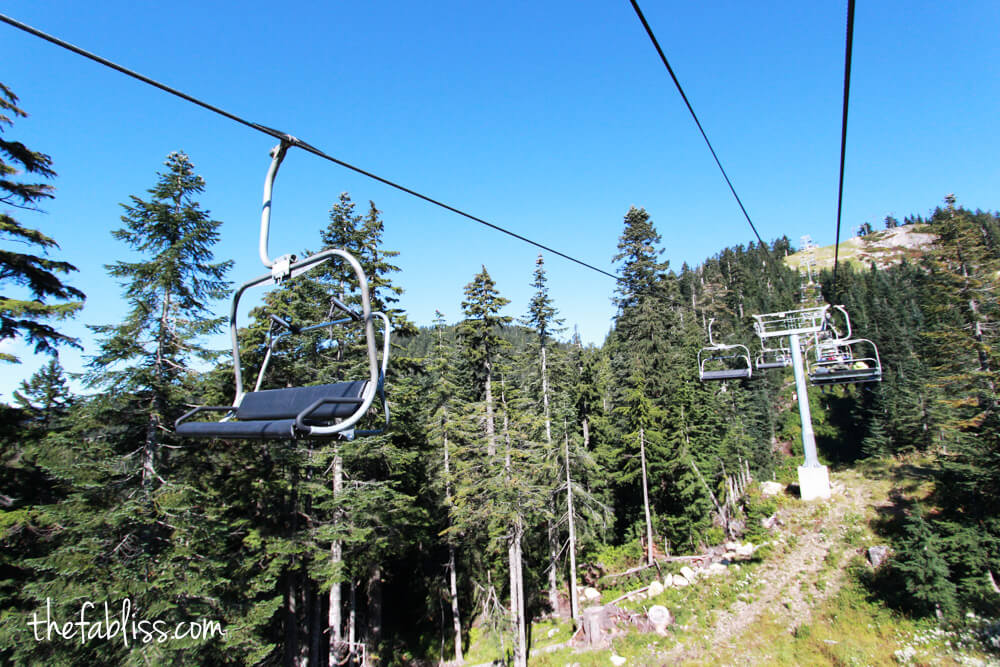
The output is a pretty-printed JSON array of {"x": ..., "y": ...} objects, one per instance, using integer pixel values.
[{"x": 516, "y": 455}]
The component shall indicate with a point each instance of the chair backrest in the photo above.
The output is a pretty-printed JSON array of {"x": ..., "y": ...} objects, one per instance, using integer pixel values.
[{"x": 287, "y": 403}]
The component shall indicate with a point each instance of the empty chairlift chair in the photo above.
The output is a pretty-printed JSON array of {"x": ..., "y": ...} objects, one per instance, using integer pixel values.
[
  {"x": 723, "y": 362},
  {"x": 770, "y": 358},
  {"x": 329, "y": 410}
]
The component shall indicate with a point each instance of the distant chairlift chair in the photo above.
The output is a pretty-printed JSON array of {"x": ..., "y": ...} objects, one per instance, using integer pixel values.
[
  {"x": 843, "y": 360},
  {"x": 769, "y": 358},
  {"x": 714, "y": 366},
  {"x": 320, "y": 411}
]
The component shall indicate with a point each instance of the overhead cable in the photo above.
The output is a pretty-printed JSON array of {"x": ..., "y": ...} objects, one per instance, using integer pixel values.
[
  {"x": 843, "y": 135},
  {"x": 670, "y": 70},
  {"x": 289, "y": 138}
]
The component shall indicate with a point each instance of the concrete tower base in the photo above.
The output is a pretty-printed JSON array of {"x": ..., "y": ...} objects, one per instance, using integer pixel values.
[{"x": 814, "y": 482}]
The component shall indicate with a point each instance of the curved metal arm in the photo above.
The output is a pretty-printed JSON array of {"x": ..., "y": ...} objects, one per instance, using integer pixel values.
[
  {"x": 847, "y": 321},
  {"x": 202, "y": 408},
  {"x": 711, "y": 342},
  {"x": 277, "y": 155}
]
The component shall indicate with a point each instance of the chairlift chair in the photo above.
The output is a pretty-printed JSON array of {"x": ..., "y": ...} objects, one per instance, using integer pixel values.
[
  {"x": 842, "y": 359},
  {"x": 322, "y": 411},
  {"x": 853, "y": 360},
  {"x": 723, "y": 366},
  {"x": 769, "y": 358}
]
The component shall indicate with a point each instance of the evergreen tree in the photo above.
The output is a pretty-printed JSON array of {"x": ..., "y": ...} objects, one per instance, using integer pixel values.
[
  {"x": 481, "y": 342},
  {"x": 50, "y": 299},
  {"x": 924, "y": 570},
  {"x": 132, "y": 524},
  {"x": 147, "y": 357},
  {"x": 45, "y": 397}
]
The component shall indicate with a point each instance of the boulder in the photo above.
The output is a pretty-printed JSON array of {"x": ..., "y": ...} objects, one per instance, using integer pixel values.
[
  {"x": 680, "y": 581},
  {"x": 655, "y": 588},
  {"x": 877, "y": 554},
  {"x": 771, "y": 488},
  {"x": 716, "y": 569},
  {"x": 590, "y": 594},
  {"x": 617, "y": 660},
  {"x": 745, "y": 550},
  {"x": 688, "y": 574},
  {"x": 668, "y": 580},
  {"x": 659, "y": 617}
]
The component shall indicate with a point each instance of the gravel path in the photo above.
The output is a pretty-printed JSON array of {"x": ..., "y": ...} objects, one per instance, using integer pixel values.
[{"x": 787, "y": 582}]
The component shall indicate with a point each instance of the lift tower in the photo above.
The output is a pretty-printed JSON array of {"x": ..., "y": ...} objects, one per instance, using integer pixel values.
[{"x": 814, "y": 479}]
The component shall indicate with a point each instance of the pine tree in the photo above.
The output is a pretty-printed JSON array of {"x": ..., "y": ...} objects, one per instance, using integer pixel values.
[
  {"x": 50, "y": 299},
  {"x": 169, "y": 292},
  {"x": 45, "y": 397},
  {"x": 132, "y": 522},
  {"x": 482, "y": 343},
  {"x": 543, "y": 319},
  {"x": 924, "y": 570}
]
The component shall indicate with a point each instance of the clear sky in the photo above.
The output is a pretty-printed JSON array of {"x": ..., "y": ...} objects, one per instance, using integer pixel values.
[{"x": 548, "y": 118}]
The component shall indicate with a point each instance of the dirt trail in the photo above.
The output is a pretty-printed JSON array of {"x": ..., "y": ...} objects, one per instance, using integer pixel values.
[{"x": 787, "y": 581}]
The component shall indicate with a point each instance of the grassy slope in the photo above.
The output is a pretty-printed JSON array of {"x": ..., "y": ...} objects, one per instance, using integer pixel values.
[
  {"x": 884, "y": 247},
  {"x": 801, "y": 604}
]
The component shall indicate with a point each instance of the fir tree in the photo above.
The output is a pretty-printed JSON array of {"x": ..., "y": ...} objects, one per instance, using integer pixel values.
[
  {"x": 481, "y": 342},
  {"x": 50, "y": 298},
  {"x": 924, "y": 570},
  {"x": 148, "y": 356}
]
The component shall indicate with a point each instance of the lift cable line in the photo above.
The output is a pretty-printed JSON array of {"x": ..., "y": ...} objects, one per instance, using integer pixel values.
[
  {"x": 843, "y": 133},
  {"x": 291, "y": 140},
  {"x": 670, "y": 70}
]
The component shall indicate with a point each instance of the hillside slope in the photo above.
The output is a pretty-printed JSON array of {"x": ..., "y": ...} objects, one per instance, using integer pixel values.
[
  {"x": 885, "y": 248},
  {"x": 799, "y": 601}
]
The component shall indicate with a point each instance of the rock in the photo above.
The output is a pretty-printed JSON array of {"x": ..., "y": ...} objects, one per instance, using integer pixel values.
[
  {"x": 552, "y": 633},
  {"x": 617, "y": 660},
  {"x": 771, "y": 488},
  {"x": 637, "y": 596},
  {"x": 680, "y": 581},
  {"x": 771, "y": 521},
  {"x": 729, "y": 555},
  {"x": 668, "y": 580},
  {"x": 716, "y": 569},
  {"x": 688, "y": 574},
  {"x": 659, "y": 617},
  {"x": 590, "y": 594},
  {"x": 745, "y": 550},
  {"x": 655, "y": 588},
  {"x": 732, "y": 546},
  {"x": 877, "y": 554}
]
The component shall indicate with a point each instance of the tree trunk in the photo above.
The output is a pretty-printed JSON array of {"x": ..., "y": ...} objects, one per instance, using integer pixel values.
[
  {"x": 491, "y": 433},
  {"x": 645, "y": 498},
  {"x": 551, "y": 531},
  {"x": 456, "y": 619},
  {"x": 334, "y": 617},
  {"x": 517, "y": 595},
  {"x": 375, "y": 607},
  {"x": 291, "y": 640},
  {"x": 352, "y": 618},
  {"x": 514, "y": 556},
  {"x": 574, "y": 603}
]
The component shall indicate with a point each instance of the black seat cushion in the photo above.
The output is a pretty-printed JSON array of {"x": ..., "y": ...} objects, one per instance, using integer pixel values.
[
  {"x": 252, "y": 430},
  {"x": 271, "y": 413},
  {"x": 271, "y": 404}
]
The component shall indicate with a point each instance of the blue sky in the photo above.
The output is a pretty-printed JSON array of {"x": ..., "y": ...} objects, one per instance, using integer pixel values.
[{"x": 548, "y": 118}]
